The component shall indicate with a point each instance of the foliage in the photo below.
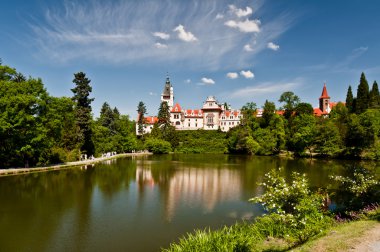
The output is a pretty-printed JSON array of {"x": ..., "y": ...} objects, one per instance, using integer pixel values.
[
  {"x": 359, "y": 188},
  {"x": 304, "y": 108},
  {"x": 83, "y": 109},
  {"x": 328, "y": 140},
  {"x": 374, "y": 96},
  {"x": 350, "y": 100},
  {"x": 302, "y": 133},
  {"x": 269, "y": 109},
  {"x": 362, "y": 97},
  {"x": 22, "y": 106},
  {"x": 201, "y": 141},
  {"x": 290, "y": 101},
  {"x": 141, "y": 111},
  {"x": 163, "y": 114},
  {"x": 157, "y": 146},
  {"x": 293, "y": 205}
]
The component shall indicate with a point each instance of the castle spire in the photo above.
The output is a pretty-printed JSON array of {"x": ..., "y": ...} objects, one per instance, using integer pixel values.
[
  {"x": 324, "y": 100},
  {"x": 324, "y": 94}
]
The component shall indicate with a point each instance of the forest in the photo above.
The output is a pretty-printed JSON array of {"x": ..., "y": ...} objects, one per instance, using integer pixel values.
[{"x": 39, "y": 129}]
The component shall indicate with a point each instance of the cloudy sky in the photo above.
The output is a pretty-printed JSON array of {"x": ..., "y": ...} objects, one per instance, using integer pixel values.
[{"x": 238, "y": 51}]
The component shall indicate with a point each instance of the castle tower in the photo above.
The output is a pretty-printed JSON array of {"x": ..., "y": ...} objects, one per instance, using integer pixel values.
[
  {"x": 324, "y": 101},
  {"x": 168, "y": 93}
]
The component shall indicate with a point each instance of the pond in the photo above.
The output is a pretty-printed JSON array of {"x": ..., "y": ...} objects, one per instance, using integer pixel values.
[{"x": 138, "y": 203}]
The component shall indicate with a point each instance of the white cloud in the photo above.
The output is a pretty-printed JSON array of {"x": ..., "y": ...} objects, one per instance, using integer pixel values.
[
  {"x": 219, "y": 16},
  {"x": 152, "y": 94},
  {"x": 184, "y": 35},
  {"x": 207, "y": 81},
  {"x": 232, "y": 75},
  {"x": 247, "y": 74},
  {"x": 128, "y": 32},
  {"x": 265, "y": 88},
  {"x": 241, "y": 12},
  {"x": 245, "y": 26},
  {"x": 160, "y": 46},
  {"x": 188, "y": 81},
  {"x": 161, "y": 35},
  {"x": 273, "y": 46},
  {"x": 248, "y": 48}
]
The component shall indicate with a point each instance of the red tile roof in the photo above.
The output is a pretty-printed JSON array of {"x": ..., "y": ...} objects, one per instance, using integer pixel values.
[
  {"x": 193, "y": 113},
  {"x": 324, "y": 94},
  {"x": 176, "y": 108},
  {"x": 151, "y": 119}
]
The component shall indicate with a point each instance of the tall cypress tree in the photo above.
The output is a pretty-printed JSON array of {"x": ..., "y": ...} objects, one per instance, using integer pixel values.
[
  {"x": 83, "y": 109},
  {"x": 374, "y": 96},
  {"x": 141, "y": 111},
  {"x": 164, "y": 114},
  {"x": 107, "y": 118},
  {"x": 349, "y": 100},
  {"x": 362, "y": 97}
]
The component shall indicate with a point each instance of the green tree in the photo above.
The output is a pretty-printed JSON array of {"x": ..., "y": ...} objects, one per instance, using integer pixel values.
[
  {"x": 22, "y": 132},
  {"x": 163, "y": 114},
  {"x": 374, "y": 96},
  {"x": 269, "y": 110},
  {"x": 249, "y": 115},
  {"x": 107, "y": 118},
  {"x": 350, "y": 100},
  {"x": 83, "y": 109},
  {"x": 362, "y": 97},
  {"x": 304, "y": 108},
  {"x": 141, "y": 111},
  {"x": 328, "y": 140},
  {"x": 303, "y": 132},
  {"x": 291, "y": 101}
]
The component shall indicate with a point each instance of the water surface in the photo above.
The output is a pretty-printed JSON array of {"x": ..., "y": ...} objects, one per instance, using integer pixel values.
[{"x": 138, "y": 203}]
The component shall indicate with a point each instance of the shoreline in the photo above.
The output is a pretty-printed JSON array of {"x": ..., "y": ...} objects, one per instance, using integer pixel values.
[{"x": 67, "y": 165}]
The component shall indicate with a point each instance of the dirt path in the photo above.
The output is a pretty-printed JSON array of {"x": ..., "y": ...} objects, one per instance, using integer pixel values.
[
  {"x": 17, "y": 171},
  {"x": 369, "y": 241}
]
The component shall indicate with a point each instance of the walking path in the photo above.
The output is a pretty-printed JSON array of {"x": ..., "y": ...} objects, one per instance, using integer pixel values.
[{"x": 16, "y": 171}]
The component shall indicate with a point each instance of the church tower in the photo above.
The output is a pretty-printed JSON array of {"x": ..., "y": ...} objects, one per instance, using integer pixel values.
[
  {"x": 324, "y": 101},
  {"x": 168, "y": 94}
]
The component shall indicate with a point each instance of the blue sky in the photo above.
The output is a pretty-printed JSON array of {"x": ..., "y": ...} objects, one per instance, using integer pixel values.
[{"x": 238, "y": 51}]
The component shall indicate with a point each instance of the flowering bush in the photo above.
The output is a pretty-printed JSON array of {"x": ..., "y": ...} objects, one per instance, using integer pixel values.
[
  {"x": 360, "y": 189},
  {"x": 293, "y": 205}
]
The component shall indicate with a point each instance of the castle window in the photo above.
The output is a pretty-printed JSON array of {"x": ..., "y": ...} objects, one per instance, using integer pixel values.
[{"x": 196, "y": 125}]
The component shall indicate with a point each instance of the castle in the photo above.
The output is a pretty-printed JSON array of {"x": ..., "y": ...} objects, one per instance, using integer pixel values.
[
  {"x": 211, "y": 116},
  {"x": 214, "y": 115}
]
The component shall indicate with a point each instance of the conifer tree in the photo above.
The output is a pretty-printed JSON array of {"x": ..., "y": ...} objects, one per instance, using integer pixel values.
[
  {"x": 107, "y": 118},
  {"x": 83, "y": 109},
  {"x": 141, "y": 111},
  {"x": 268, "y": 112},
  {"x": 362, "y": 97},
  {"x": 374, "y": 96},
  {"x": 350, "y": 100},
  {"x": 164, "y": 114}
]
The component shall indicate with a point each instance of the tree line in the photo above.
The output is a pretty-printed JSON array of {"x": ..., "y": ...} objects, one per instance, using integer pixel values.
[
  {"x": 39, "y": 129},
  {"x": 350, "y": 130}
]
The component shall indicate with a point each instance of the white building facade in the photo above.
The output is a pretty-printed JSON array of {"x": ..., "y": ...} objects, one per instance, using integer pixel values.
[{"x": 212, "y": 115}]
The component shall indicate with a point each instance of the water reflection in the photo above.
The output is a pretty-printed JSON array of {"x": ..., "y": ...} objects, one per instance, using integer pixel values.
[{"x": 115, "y": 205}]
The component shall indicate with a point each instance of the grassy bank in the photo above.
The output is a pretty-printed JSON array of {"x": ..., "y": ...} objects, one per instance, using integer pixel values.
[{"x": 265, "y": 234}]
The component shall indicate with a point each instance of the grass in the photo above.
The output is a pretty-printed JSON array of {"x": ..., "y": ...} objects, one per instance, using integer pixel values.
[
  {"x": 343, "y": 236},
  {"x": 266, "y": 235}
]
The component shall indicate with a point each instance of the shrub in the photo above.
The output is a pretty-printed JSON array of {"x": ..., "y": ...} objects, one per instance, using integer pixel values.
[
  {"x": 295, "y": 210},
  {"x": 359, "y": 189},
  {"x": 157, "y": 146}
]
